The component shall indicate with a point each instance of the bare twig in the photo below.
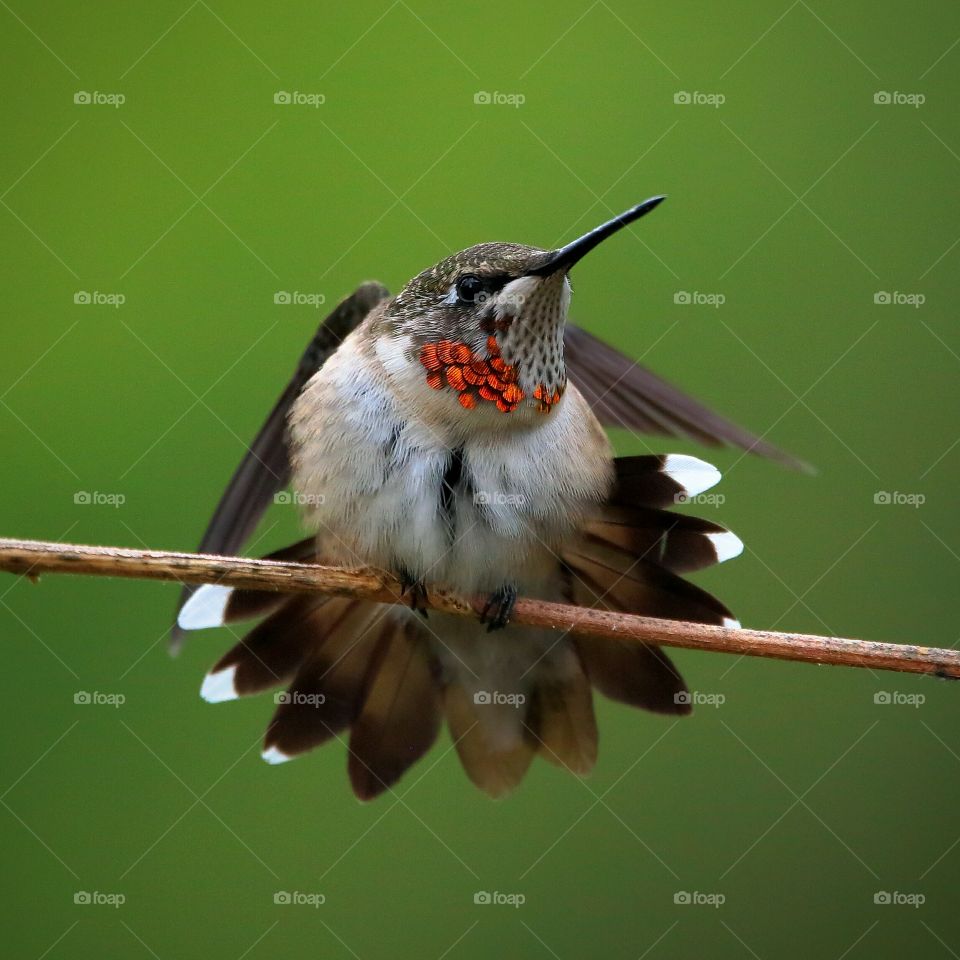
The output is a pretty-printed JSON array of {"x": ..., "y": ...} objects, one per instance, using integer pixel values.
[{"x": 32, "y": 557}]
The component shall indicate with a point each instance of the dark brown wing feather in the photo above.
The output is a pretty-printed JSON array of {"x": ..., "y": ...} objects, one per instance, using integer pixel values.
[
  {"x": 265, "y": 467},
  {"x": 623, "y": 393}
]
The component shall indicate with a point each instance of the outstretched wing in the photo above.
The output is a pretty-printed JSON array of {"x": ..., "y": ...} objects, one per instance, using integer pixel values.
[
  {"x": 624, "y": 394},
  {"x": 265, "y": 467}
]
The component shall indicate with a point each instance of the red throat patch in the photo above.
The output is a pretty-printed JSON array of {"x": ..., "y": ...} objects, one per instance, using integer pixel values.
[{"x": 475, "y": 377}]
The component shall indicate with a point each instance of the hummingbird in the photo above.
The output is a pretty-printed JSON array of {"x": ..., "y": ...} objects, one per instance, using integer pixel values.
[{"x": 454, "y": 434}]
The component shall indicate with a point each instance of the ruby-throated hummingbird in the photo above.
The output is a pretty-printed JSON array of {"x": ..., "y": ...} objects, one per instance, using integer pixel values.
[{"x": 452, "y": 434}]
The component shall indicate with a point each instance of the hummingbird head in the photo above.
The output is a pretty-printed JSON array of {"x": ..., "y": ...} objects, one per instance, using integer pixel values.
[{"x": 485, "y": 325}]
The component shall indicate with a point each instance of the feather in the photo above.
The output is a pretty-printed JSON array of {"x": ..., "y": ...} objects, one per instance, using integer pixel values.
[
  {"x": 213, "y": 605},
  {"x": 561, "y": 722},
  {"x": 270, "y": 654},
  {"x": 636, "y": 674},
  {"x": 494, "y": 767},
  {"x": 608, "y": 579},
  {"x": 328, "y": 689},
  {"x": 677, "y": 542},
  {"x": 401, "y": 713},
  {"x": 265, "y": 467},
  {"x": 623, "y": 393}
]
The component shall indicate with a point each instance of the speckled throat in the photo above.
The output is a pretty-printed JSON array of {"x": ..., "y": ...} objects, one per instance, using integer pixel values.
[{"x": 532, "y": 341}]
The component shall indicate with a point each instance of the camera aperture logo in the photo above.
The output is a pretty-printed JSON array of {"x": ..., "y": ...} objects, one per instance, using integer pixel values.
[
  {"x": 696, "y": 898},
  {"x": 299, "y": 699},
  {"x": 485, "y": 898},
  {"x": 496, "y": 698},
  {"x": 897, "y": 298},
  {"x": 896, "y": 498},
  {"x": 896, "y": 898},
  {"x": 97, "y": 498},
  {"x": 297, "y": 298},
  {"x": 97, "y": 298},
  {"x": 697, "y": 98},
  {"x": 696, "y": 298},
  {"x": 297, "y": 898},
  {"x": 95, "y": 898},
  {"x": 484, "y": 98},
  {"x": 96, "y": 98},
  {"x": 699, "y": 698},
  {"x": 96, "y": 698},
  {"x": 300, "y": 499},
  {"x": 701, "y": 499},
  {"x": 895, "y": 698},
  {"x": 296, "y": 98},
  {"x": 497, "y": 498},
  {"x": 897, "y": 98}
]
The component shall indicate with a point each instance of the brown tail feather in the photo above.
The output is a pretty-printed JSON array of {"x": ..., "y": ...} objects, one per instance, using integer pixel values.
[
  {"x": 400, "y": 717},
  {"x": 562, "y": 725},
  {"x": 676, "y": 541},
  {"x": 494, "y": 768},
  {"x": 270, "y": 654},
  {"x": 610, "y": 579},
  {"x": 328, "y": 690},
  {"x": 247, "y": 604},
  {"x": 633, "y": 673}
]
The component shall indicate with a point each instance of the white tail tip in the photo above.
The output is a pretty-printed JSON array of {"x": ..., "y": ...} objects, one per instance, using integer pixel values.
[
  {"x": 693, "y": 475},
  {"x": 273, "y": 755},
  {"x": 727, "y": 545},
  {"x": 731, "y": 624},
  {"x": 205, "y": 608},
  {"x": 218, "y": 687}
]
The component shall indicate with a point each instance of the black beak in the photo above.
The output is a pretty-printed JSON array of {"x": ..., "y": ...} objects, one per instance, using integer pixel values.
[{"x": 566, "y": 257}]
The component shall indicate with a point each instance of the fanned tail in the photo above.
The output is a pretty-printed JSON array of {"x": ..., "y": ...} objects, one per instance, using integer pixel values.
[{"x": 373, "y": 677}]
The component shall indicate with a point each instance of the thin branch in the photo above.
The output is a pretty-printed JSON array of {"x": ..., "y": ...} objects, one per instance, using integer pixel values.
[{"x": 33, "y": 557}]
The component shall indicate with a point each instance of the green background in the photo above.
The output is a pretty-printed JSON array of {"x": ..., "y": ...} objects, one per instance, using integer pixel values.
[{"x": 798, "y": 199}]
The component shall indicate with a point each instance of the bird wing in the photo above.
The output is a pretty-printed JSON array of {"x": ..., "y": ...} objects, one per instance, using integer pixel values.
[
  {"x": 265, "y": 467},
  {"x": 622, "y": 393}
]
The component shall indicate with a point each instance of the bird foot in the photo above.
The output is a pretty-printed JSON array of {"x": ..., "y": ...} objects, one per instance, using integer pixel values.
[
  {"x": 413, "y": 588},
  {"x": 499, "y": 608}
]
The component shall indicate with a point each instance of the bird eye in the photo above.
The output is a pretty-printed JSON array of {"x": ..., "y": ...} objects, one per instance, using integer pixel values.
[{"x": 470, "y": 289}]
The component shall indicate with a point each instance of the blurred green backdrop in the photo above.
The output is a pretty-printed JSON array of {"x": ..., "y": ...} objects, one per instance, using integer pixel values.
[{"x": 825, "y": 221}]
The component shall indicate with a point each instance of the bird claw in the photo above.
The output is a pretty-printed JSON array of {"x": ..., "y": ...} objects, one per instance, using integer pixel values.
[
  {"x": 499, "y": 608},
  {"x": 417, "y": 593}
]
